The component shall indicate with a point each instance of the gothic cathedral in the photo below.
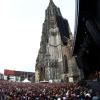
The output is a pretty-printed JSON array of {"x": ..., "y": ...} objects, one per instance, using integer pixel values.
[{"x": 54, "y": 61}]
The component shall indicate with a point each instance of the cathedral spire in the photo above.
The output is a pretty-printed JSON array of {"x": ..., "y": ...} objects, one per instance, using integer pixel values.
[
  {"x": 51, "y": 3},
  {"x": 52, "y": 9}
]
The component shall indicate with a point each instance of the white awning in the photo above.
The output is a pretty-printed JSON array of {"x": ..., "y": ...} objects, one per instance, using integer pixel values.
[{"x": 26, "y": 81}]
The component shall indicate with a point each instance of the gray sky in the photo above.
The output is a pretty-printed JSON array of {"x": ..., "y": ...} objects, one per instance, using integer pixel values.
[{"x": 21, "y": 29}]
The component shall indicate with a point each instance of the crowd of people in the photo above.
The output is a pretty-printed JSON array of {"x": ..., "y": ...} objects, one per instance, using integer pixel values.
[{"x": 46, "y": 91}]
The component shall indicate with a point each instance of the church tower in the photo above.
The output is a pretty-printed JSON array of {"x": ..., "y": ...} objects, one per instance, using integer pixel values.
[{"x": 52, "y": 63}]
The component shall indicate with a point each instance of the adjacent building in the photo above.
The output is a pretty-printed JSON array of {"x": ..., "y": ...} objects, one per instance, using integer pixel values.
[
  {"x": 87, "y": 38},
  {"x": 18, "y": 76}
]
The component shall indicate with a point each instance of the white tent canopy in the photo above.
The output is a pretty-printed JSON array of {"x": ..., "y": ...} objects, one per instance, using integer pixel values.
[{"x": 26, "y": 81}]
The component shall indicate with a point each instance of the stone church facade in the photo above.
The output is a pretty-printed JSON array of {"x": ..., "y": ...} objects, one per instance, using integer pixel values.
[{"x": 54, "y": 61}]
